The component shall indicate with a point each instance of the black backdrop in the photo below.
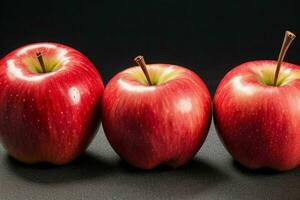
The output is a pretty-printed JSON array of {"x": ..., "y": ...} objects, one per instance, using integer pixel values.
[{"x": 209, "y": 37}]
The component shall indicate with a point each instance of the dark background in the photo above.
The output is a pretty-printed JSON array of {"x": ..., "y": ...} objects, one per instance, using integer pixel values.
[{"x": 209, "y": 37}]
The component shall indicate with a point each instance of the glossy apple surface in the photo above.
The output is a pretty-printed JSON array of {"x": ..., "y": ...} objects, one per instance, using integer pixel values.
[
  {"x": 165, "y": 123},
  {"x": 53, "y": 116},
  {"x": 260, "y": 123}
]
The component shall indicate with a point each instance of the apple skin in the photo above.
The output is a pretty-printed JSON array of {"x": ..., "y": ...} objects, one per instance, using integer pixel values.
[
  {"x": 260, "y": 124},
  {"x": 159, "y": 124},
  {"x": 48, "y": 117}
]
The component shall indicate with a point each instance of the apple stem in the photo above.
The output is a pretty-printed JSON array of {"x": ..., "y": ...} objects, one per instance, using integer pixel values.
[
  {"x": 141, "y": 62},
  {"x": 41, "y": 61},
  {"x": 288, "y": 39}
]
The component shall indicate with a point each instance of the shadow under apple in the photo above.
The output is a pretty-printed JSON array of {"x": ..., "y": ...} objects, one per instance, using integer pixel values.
[
  {"x": 187, "y": 181},
  {"x": 86, "y": 166},
  {"x": 265, "y": 171},
  {"x": 190, "y": 180}
]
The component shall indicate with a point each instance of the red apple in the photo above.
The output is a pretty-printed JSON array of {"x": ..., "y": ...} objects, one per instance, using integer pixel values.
[
  {"x": 49, "y": 103},
  {"x": 259, "y": 122},
  {"x": 162, "y": 123}
]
